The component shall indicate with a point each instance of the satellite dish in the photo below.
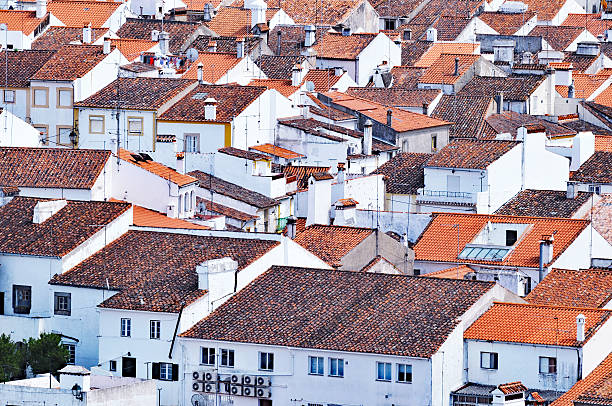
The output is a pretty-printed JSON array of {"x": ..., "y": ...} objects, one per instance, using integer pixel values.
[
  {"x": 192, "y": 54},
  {"x": 310, "y": 86},
  {"x": 198, "y": 400}
]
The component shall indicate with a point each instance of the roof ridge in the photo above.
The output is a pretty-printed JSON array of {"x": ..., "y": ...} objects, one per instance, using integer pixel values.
[
  {"x": 591, "y": 309},
  {"x": 569, "y": 220}
]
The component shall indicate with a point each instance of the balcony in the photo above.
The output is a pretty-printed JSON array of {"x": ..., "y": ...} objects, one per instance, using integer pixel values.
[{"x": 446, "y": 197}]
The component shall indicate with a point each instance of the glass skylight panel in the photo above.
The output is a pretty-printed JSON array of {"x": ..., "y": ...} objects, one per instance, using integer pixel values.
[{"x": 484, "y": 253}]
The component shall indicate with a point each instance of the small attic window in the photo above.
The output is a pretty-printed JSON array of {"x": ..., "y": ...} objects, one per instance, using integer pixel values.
[
  {"x": 200, "y": 96},
  {"x": 511, "y": 237}
]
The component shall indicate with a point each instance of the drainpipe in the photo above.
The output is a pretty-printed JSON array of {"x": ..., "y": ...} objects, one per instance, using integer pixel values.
[{"x": 178, "y": 320}]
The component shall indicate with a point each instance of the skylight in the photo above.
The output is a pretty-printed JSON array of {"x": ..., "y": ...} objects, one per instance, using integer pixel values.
[
  {"x": 200, "y": 96},
  {"x": 484, "y": 253}
]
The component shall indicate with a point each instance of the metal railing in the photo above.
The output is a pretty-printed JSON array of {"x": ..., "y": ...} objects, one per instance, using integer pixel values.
[{"x": 445, "y": 193}]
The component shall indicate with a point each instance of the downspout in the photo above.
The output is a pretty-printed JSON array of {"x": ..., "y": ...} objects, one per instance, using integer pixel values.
[
  {"x": 178, "y": 320},
  {"x": 579, "y": 365},
  {"x": 541, "y": 266}
]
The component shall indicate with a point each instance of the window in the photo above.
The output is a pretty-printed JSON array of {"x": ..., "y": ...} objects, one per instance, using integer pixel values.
[
  {"x": 44, "y": 133},
  {"x": 71, "y": 353},
  {"x": 126, "y": 327},
  {"x": 417, "y": 272},
  {"x": 96, "y": 124},
  {"x": 511, "y": 237},
  {"x": 336, "y": 367},
  {"x": 187, "y": 205},
  {"x": 405, "y": 146},
  {"x": 266, "y": 361},
  {"x": 404, "y": 373},
  {"x": 22, "y": 299},
  {"x": 134, "y": 125},
  {"x": 154, "y": 329},
  {"x": 484, "y": 253},
  {"x": 64, "y": 98},
  {"x": 488, "y": 360},
  {"x": 434, "y": 143},
  {"x": 548, "y": 365},
  {"x": 227, "y": 358},
  {"x": 383, "y": 371},
  {"x": 208, "y": 355},
  {"x": 112, "y": 366},
  {"x": 41, "y": 97},
  {"x": 9, "y": 96},
  {"x": 165, "y": 371},
  {"x": 63, "y": 135},
  {"x": 128, "y": 367},
  {"x": 62, "y": 303},
  {"x": 192, "y": 142},
  {"x": 389, "y": 24},
  {"x": 595, "y": 189},
  {"x": 316, "y": 365}
]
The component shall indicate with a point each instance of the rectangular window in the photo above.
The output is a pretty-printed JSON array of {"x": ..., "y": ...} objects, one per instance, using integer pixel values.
[
  {"x": 64, "y": 98},
  {"x": 61, "y": 303},
  {"x": 595, "y": 189},
  {"x": 208, "y": 355},
  {"x": 22, "y": 299},
  {"x": 41, "y": 97},
  {"x": 389, "y": 24},
  {"x": 488, "y": 360},
  {"x": 266, "y": 361},
  {"x": 112, "y": 366},
  {"x": 511, "y": 237},
  {"x": 126, "y": 327},
  {"x": 336, "y": 367},
  {"x": 96, "y": 124},
  {"x": 434, "y": 143},
  {"x": 316, "y": 365},
  {"x": 548, "y": 365},
  {"x": 192, "y": 142},
  {"x": 227, "y": 358},
  {"x": 9, "y": 96},
  {"x": 63, "y": 135},
  {"x": 71, "y": 353},
  {"x": 134, "y": 125},
  {"x": 154, "y": 329},
  {"x": 44, "y": 133},
  {"x": 404, "y": 373},
  {"x": 165, "y": 371},
  {"x": 383, "y": 371}
]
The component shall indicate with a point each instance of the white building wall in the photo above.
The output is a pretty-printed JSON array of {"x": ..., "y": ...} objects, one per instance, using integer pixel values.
[
  {"x": 597, "y": 348},
  {"x": 21, "y": 107},
  {"x": 588, "y": 244},
  {"x": 504, "y": 178},
  {"x": 14, "y": 132}
]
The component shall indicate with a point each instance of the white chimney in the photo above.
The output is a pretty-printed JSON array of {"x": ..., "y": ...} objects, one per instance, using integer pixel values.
[
  {"x": 200, "y": 73},
  {"x": 106, "y": 46},
  {"x": 572, "y": 190},
  {"x": 580, "y": 321},
  {"x": 319, "y": 198},
  {"x": 291, "y": 227},
  {"x": 41, "y": 8},
  {"x": 338, "y": 71},
  {"x": 154, "y": 35},
  {"x": 180, "y": 162},
  {"x": 258, "y": 12},
  {"x": 210, "y": 109},
  {"x": 367, "y": 137},
  {"x": 309, "y": 40},
  {"x": 46, "y": 209},
  {"x": 296, "y": 75},
  {"x": 212, "y": 46},
  {"x": 583, "y": 146},
  {"x": 87, "y": 34},
  {"x": 240, "y": 48},
  {"x": 217, "y": 276},
  {"x": 432, "y": 34},
  {"x": 164, "y": 43}
]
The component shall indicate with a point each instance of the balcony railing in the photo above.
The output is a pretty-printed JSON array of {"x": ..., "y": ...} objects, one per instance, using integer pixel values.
[
  {"x": 446, "y": 196},
  {"x": 445, "y": 193}
]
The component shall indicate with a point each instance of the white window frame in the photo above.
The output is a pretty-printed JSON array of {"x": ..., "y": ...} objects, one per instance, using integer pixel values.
[
  {"x": 131, "y": 120},
  {"x": 126, "y": 327},
  {"x": 407, "y": 371},
  {"x": 96, "y": 118},
  {"x": 45, "y": 92},
  {"x": 545, "y": 369},
  {"x": 71, "y": 353},
  {"x": 165, "y": 371},
  {"x": 230, "y": 358},
  {"x": 154, "y": 329},
  {"x": 319, "y": 365},
  {"x": 338, "y": 370},
  {"x": 11, "y": 99},
  {"x": 206, "y": 354},
  {"x": 266, "y": 361},
  {"x": 387, "y": 371},
  {"x": 58, "y": 103},
  {"x": 192, "y": 142}
]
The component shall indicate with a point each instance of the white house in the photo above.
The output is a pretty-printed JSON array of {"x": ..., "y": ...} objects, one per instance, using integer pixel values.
[
  {"x": 593, "y": 174},
  {"x": 23, "y": 26},
  {"x": 14, "y": 132}
]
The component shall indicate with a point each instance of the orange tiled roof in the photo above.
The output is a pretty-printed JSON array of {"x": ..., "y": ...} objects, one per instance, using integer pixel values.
[
  {"x": 282, "y": 86},
  {"x": 274, "y": 150},
  {"x": 584, "y": 84},
  {"x": 235, "y": 21},
  {"x": 323, "y": 79},
  {"x": 605, "y": 98},
  {"x": 131, "y": 48},
  {"x": 561, "y": 65},
  {"x": 76, "y": 13},
  {"x": 535, "y": 324},
  {"x": 506, "y": 23},
  {"x": 594, "y": 389},
  {"x": 512, "y": 387},
  {"x": 437, "y": 49},
  {"x": 443, "y": 70},
  {"x": 19, "y": 20},
  {"x": 603, "y": 143},
  {"x": 334, "y": 45},
  {"x": 216, "y": 64},
  {"x": 144, "y": 217},
  {"x": 593, "y": 23},
  {"x": 70, "y": 62},
  {"x": 158, "y": 169},
  {"x": 332, "y": 243},
  {"x": 526, "y": 252},
  {"x": 456, "y": 272}
]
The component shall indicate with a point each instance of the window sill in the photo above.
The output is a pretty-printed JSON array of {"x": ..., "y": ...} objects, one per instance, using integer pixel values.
[
  {"x": 404, "y": 382},
  {"x": 383, "y": 380},
  {"x": 311, "y": 374},
  {"x": 226, "y": 366},
  {"x": 335, "y": 376},
  {"x": 207, "y": 365}
]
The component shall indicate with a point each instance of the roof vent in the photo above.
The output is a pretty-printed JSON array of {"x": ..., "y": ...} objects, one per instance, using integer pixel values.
[
  {"x": 580, "y": 322},
  {"x": 46, "y": 209}
]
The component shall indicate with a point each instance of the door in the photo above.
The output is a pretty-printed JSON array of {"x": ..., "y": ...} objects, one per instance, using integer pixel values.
[
  {"x": 452, "y": 183},
  {"x": 128, "y": 367},
  {"x": 1, "y": 303},
  {"x": 265, "y": 402}
]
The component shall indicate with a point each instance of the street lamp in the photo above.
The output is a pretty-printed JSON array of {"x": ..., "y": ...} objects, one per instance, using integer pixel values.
[
  {"x": 73, "y": 136},
  {"x": 77, "y": 392}
]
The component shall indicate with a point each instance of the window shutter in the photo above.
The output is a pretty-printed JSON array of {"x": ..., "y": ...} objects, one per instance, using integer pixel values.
[
  {"x": 155, "y": 370},
  {"x": 69, "y": 311},
  {"x": 175, "y": 372}
]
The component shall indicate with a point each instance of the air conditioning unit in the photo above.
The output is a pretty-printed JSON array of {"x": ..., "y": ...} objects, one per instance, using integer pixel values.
[
  {"x": 224, "y": 387},
  {"x": 209, "y": 376},
  {"x": 196, "y": 375},
  {"x": 263, "y": 392},
  {"x": 234, "y": 378},
  {"x": 248, "y": 391},
  {"x": 248, "y": 380},
  {"x": 197, "y": 387},
  {"x": 235, "y": 390},
  {"x": 210, "y": 387},
  {"x": 262, "y": 381}
]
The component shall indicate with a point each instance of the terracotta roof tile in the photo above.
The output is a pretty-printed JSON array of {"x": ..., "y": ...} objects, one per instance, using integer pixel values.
[
  {"x": 132, "y": 48},
  {"x": 413, "y": 50},
  {"x": 443, "y": 70},
  {"x": 273, "y": 150},
  {"x": 510, "y": 121},
  {"x": 233, "y": 191},
  {"x": 594, "y": 389},
  {"x": 593, "y": 23},
  {"x": 545, "y": 11},
  {"x": 70, "y": 227},
  {"x": 144, "y": 217},
  {"x": 51, "y": 167},
  {"x": 240, "y": 153},
  {"x": 22, "y": 65},
  {"x": 311, "y": 11},
  {"x": 506, "y": 23},
  {"x": 397, "y": 8},
  {"x": 76, "y": 13},
  {"x": 433, "y": 54},
  {"x": 334, "y": 45},
  {"x": 20, "y": 20},
  {"x": 139, "y": 28},
  {"x": 450, "y": 26},
  {"x": 215, "y": 65},
  {"x": 225, "y": 44},
  {"x": 603, "y": 143},
  {"x": 302, "y": 173},
  {"x": 396, "y": 96},
  {"x": 515, "y": 87},
  {"x": 535, "y": 324},
  {"x": 217, "y": 208},
  {"x": 404, "y": 172},
  {"x": 328, "y": 112},
  {"x": 291, "y": 39},
  {"x": 456, "y": 272},
  {"x": 158, "y": 169},
  {"x": 596, "y": 169},
  {"x": 584, "y": 85},
  {"x": 526, "y": 252},
  {"x": 558, "y": 37},
  {"x": 235, "y": 21},
  {"x": 70, "y": 62},
  {"x": 512, "y": 387},
  {"x": 604, "y": 98},
  {"x": 282, "y": 86},
  {"x": 332, "y": 310},
  {"x": 55, "y": 37},
  {"x": 583, "y": 288},
  {"x": 279, "y": 67},
  {"x": 323, "y": 79},
  {"x": 467, "y": 113},
  {"x": 321, "y": 129},
  {"x": 153, "y": 279},
  {"x": 543, "y": 203},
  {"x": 579, "y": 62},
  {"x": 470, "y": 154},
  {"x": 406, "y": 76},
  {"x": 231, "y": 101},
  {"x": 332, "y": 243}
]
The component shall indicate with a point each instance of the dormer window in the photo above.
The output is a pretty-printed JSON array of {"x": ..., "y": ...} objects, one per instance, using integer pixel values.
[{"x": 511, "y": 237}]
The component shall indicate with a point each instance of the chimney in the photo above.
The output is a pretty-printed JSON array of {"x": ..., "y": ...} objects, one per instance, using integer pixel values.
[
  {"x": 217, "y": 276},
  {"x": 164, "y": 43},
  {"x": 87, "y": 34},
  {"x": 154, "y": 35},
  {"x": 258, "y": 12},
  {"x": 425, "y": 109},
  {"x": 106, "y": 46},
  {"x": 180, "y": 162},
  {"x": 338, "y": 71},
  {"x": 309, "y": 40},
  {"x": 500, "y": 102},
  {"x": 572, "y": 190},
  {"x": 407, "y": 34},
  {"x": 570, "y": 90},
  {"x": 319, "y": 198},
  {"x": 200, "y": 73},
  {"x": 432, "y": 34},
  {"x": 41, "y": 8},
  {"x": 390, "y": 118},
  {"x": 456, "y": 73},
  {"x": 296, "y": 75},
  {"x": 279, "y": 37},
  {"x": 580, "y": 321},
  {"x": 240, "y": 47},
  {"x": 367, "y": 137},
  {"x": 210, "y": 109},
  {"x": 45, "y": 209},
  {"x": 291, "y": 227},
  {"x": 207, "y": 12},
  {"x": 212, "y": 46},
  {"x": 546, "y": 253}
]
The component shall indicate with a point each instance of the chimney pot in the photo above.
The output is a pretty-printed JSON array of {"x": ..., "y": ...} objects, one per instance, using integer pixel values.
[
  {"x": 87, "y": 34},
  {"x": 580, "y": 322},
  {"x": 106, "y": 46},
  {"x": 291, "y": 227},
  {"x": 572, "y": 190},
  {"x": 390, "y": 117},
  {"x": 456, "y": 66},
  {"x": 200, "y": 73}
]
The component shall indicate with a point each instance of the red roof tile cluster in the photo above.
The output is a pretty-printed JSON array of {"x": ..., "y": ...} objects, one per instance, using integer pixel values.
[
  {"x": 240, "y": 153},
  {"x": 332, "y": 243},
  {"x": 470, "y": 154},
  {"x": 584, "y": 85},
  {"x": 515, "y": 87},
  {"x": 302, "y": 12},
  {"x": 583, "y": 288},
  {"x": 510, "y": 122},
  {"x": 235, "y": 21},
  {"x": 558, "y": 37},
  {"x": 225, "y": 211},
  {"x": 596, "y": 169},
  {"x": 283, "y": 86},
  {"x": 22, "y": 65},
  {"x": 456, "y": 272},
  {"x": 543, "y": 203},
  {"x": 334, "y": 45},
  {"x": 144, "y": 217},
  {"x": 594, "y": 389},
  {"x": 157, "y": 168},
  {"x": 437, "y": 49},
  {"x": 180, "y": 31},
  {"x": 132, "y": 48},
  {"x": 467, "y": 113},
  {"x": 396, "y": 96},
  {"x": 70, "y": 62},
  {"x": 232, "y": 190},
  {"x": 76, "y": 13},
  {"x": 535, "y": 324},
  {"x": 55, "y": 37},
  {"x": 20, "y": 20},
  {"x": 332, "y": 310},
  {"x": 443, "y": 70},
  {"x": 302, "y": 173},
  {"x": 323, "y": 79},
  {"x": 214, "y": 66},
  {"x": 512, "y": 387},
  {"x": 404, "y": 173},
  {"x": 593, "y": 23},
  {"x": 273, "y": 150},
  {"x": 506, "y": 23}
]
